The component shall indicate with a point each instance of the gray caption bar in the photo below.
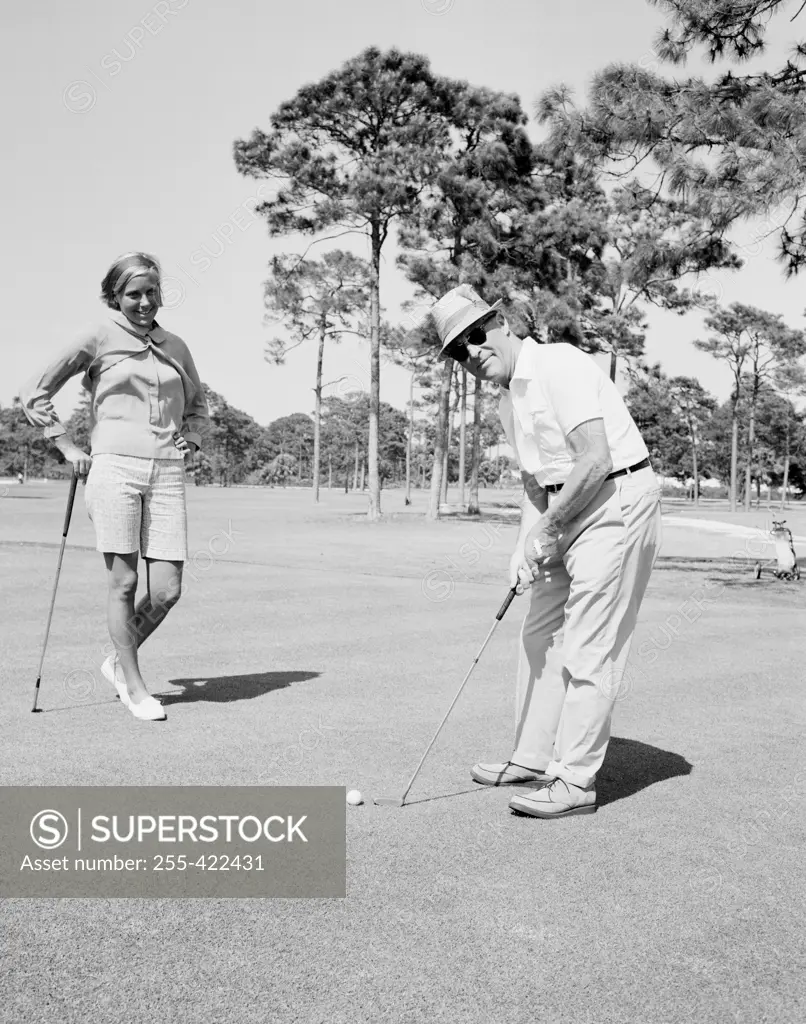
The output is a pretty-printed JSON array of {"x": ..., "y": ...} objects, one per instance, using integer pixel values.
[{"x": 173, "y": 841}]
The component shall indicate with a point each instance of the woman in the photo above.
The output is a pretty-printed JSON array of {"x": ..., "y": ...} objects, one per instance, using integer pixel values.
[{"x": 148, "y": 412}]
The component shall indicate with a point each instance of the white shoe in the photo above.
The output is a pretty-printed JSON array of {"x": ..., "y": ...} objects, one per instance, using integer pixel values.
[
  {"x": 111, "y": 670},
  {"x": 148, "y": 710}
]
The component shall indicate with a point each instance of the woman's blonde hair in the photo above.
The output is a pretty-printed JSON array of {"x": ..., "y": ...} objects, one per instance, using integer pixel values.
[{"x": 124, "y": 268}]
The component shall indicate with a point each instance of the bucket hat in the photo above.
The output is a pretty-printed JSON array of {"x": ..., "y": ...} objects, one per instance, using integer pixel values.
[{"x": 458, "y": 310}]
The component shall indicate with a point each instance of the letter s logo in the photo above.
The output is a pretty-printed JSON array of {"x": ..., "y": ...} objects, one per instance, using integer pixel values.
[{"x": 48, "y": 829}]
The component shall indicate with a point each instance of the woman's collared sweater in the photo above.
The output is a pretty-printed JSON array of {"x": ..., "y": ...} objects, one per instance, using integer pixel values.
[{"x": 143, "y": 385}]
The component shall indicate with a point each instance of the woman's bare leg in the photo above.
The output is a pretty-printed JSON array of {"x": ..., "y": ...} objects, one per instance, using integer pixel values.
[
  {"x": 120, "y": 614},
  {"x": 164, "y": 582}
]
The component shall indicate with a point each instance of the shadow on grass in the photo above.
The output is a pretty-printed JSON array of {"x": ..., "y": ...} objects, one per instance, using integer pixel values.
[
  {"x": 223, "y": 689},
  {"x": 722, "y": 571},
  {"x": 481, "y": 517},
  {"x": 704, "y": 564},
  {"x": 76, "y": 705},
  {"x": 443, "y": 796},
  {"x": 762, "y": 584},
  {"x": 631, "y": 766},
  {"x": 730, "y": 575}
]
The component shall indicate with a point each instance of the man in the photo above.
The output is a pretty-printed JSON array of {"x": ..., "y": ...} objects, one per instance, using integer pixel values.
[{"x": 589, "y": 536}]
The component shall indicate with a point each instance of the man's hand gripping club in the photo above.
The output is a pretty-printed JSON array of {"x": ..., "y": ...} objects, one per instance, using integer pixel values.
[{"x": 537, "y": 544}]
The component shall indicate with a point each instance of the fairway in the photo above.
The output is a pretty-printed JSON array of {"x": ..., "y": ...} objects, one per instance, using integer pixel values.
[{"x": 313, "y": 648}]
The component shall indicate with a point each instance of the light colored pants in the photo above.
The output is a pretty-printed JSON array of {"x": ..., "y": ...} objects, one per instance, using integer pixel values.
[
  {"x": 577, "y": 632},
  {"x": 138, "y": 504}
]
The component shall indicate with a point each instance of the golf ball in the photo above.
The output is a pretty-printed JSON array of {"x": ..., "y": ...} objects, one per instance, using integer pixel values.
[{"x": 354, "y": 798}]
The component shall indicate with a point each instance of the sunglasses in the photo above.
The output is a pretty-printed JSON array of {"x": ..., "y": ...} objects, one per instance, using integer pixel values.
[{"x": 458, "y": 349}]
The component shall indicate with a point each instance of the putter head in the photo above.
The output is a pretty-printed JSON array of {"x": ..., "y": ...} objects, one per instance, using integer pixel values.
[{"x": 388, "y": 801}]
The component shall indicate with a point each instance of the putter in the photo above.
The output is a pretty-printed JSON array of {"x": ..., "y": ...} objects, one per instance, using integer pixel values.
[
  {"x": 67, "y": 515},
  {"x": 399, "y": 801}
]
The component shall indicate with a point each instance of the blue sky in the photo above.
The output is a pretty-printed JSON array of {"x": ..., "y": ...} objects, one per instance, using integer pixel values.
[{"x": 118, "y": 127}]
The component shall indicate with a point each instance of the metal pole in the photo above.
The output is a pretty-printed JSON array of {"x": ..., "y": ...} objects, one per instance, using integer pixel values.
[
  {"x": 67, "y": 515},
  {"x": 499, "y": 616}
]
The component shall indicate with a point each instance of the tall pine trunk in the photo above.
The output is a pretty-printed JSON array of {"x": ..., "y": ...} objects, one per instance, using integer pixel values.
[
  {"x": 462, "y": 436},
  {"x": 734, "y": 458},
  {"x": 317, "y": 414},
  {"x": 409, "y": 439},
  {"x": 475, "y": 457},
  {"x": 448, "y": 439},
  {"x": 355, "y": 469},
  {"x": 439, "y": 440},
  {"x": 374, "y": 510},
  {"x": 692, "y": 436},
  {"x": 785, "y": 482},
  {"x": 696, "y": 475},
  {"x": 751, "y": 439}
]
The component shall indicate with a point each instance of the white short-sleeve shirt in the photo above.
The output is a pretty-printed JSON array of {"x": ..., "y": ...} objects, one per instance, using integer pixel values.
[{"x": 554, "y": 389}]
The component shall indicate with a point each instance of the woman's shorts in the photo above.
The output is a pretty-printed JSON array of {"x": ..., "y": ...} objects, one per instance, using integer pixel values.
[{"x": 138, "y": 505}]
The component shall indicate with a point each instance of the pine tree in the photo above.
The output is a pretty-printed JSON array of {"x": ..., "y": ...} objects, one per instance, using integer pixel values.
[
  {"x": 353, "y": 152},
  {"x": 694, "y": 405},
  {"x": 315, "y": 298},
  {"x": 756, "y": 345},
  {"x": 731, "y": 148}
]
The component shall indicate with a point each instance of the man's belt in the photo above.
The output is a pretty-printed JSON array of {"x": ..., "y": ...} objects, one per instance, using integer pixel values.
[{"x": 555, "y": 488}]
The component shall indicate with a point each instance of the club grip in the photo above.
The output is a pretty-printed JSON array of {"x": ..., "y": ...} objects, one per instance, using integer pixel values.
[
  {"x": 70, "y": 499},
  {"x": 507, "y": 602}
]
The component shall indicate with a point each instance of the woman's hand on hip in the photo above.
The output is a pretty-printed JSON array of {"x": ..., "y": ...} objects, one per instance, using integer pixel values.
[
  {"x": 185, "y": 447},
  {"x": 81, "y": 462}
]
